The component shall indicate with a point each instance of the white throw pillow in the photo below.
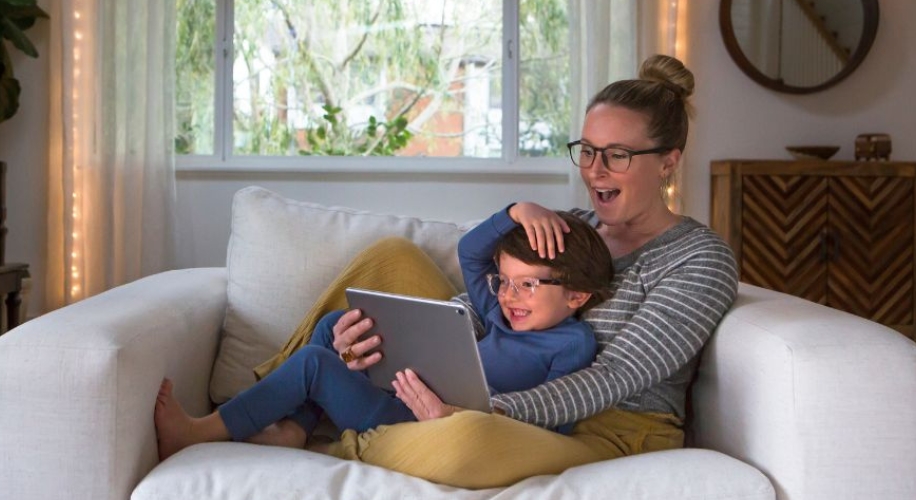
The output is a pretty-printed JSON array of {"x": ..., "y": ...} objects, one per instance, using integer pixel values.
[{"x": 282, "y": 255}]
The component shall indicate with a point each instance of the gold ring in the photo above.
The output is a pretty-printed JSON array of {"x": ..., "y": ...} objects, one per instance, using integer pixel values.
[{"x": 348, "y": 355}]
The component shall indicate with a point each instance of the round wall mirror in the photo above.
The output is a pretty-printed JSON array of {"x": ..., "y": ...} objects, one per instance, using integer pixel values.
[{"x": 798, "y": 46}]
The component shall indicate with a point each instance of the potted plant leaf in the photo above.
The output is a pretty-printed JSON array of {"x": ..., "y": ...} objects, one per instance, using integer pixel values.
[{"x": 16, "y": 16}]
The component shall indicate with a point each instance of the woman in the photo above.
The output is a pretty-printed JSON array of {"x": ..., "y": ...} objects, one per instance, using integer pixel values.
[{"x": 675, "y": 279}]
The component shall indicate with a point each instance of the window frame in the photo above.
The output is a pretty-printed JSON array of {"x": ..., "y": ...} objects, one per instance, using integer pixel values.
[{"x": 510, "y": 162}]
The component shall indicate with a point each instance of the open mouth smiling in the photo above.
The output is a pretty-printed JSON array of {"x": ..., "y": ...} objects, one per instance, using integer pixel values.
[
  {"x": 519, "y": 313},
  {"x": 606, "y": 195}
]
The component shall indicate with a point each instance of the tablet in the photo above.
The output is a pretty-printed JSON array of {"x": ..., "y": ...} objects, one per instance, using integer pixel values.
[{"x": 434, "y": 338}]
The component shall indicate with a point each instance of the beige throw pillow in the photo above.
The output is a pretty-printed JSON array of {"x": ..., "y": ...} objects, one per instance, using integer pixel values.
[{"x": 282, "y": 254}]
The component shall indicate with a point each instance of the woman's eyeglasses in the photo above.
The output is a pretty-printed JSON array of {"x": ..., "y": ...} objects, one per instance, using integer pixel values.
[
  {"x": 615, "y": 158},
  {"x": 524, "y": 287}
]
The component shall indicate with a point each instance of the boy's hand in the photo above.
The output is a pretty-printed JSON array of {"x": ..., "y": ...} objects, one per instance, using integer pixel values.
[
  {"x": 423, "y": 402},
  {"x": 544, "y": 227}
]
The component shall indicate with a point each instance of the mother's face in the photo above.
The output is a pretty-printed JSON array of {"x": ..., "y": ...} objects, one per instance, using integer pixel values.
[{"x": 634, "y": 196}]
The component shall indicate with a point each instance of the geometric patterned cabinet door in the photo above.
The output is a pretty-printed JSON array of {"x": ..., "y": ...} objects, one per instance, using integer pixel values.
[{"x": 837, "y": 233}]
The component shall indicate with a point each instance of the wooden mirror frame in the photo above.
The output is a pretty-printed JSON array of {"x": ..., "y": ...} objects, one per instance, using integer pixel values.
[{"x": 869, "y": 29}]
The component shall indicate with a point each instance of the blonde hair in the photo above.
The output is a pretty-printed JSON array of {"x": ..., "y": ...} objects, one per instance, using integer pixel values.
[{"x": 662, "y": 92}]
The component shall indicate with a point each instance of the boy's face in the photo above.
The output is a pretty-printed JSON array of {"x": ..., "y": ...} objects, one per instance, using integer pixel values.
[{"x": 547, "y": 307}]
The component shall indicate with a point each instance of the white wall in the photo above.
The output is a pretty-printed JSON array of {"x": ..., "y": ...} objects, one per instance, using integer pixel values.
[{"x": 736, "y": 118}]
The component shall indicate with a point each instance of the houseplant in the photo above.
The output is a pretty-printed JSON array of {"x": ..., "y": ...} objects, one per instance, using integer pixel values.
[{"x": 16, "y": 16}]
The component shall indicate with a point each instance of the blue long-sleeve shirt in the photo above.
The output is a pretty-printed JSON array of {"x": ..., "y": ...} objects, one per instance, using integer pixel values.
[{"x": 516, "y": 360}]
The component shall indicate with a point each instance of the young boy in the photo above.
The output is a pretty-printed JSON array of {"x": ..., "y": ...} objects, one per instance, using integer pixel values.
[
  {"x": 529, "y": 305},
  {"x": 529, "y": 309}
]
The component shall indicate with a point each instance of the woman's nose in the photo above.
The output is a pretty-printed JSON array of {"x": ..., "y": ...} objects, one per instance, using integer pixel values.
[{"x": 596, "y": 171}]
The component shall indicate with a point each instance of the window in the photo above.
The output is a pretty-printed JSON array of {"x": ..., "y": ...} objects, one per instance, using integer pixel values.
[{"x": 286, "y": 80}]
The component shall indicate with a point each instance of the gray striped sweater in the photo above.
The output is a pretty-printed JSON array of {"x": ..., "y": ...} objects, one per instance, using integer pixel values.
[{"x": 668, "y": 298}]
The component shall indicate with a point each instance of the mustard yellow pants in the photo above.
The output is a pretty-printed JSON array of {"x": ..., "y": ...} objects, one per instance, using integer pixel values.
[{"x": 470, "y": 449}]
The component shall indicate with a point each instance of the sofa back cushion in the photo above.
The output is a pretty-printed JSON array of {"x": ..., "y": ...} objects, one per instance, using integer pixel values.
[{"x": 282, "y": 254}]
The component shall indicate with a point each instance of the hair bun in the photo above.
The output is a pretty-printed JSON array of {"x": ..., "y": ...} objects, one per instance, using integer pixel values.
[{"x": 669, "y": 72}]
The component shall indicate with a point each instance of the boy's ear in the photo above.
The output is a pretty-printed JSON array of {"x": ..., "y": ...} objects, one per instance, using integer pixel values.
[{"x": 575, "y": 300}]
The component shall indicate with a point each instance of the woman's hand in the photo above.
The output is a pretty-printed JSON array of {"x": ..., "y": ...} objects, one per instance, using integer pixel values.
[
  {"x": 423, "y": 402},
  {"x": 347, "y": 331},
  {"x": 544, "y": 227}
]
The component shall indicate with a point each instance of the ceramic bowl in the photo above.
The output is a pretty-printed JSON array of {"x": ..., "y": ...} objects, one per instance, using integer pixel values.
[{"x": 812, "y": 152}]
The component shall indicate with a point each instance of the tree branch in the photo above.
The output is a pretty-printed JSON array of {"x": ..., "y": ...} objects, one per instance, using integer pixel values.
[
  {"x": 303, "y": 47},
  {"x": 362, "y": 41}
]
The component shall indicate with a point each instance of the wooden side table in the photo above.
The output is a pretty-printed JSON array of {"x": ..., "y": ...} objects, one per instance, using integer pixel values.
[{"x": 11, "y": 276}]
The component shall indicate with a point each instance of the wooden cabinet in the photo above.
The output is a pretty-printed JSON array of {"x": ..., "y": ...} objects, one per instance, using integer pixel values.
[{"x": 837, "y": 233}]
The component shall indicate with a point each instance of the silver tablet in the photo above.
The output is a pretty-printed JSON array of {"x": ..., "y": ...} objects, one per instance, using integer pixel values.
[{"x": 434, "y": 338}]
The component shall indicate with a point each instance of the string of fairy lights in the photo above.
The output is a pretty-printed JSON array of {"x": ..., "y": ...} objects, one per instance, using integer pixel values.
[
  {"x": 676, "y": 18},
  {"x": 76, "y": 240}
]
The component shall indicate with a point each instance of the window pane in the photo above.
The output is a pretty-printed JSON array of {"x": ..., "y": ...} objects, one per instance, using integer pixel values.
[
  {"x": 380, "y": 77},
  {"x": 544, "y": 78},
  {"x": 195, "y": 76}
]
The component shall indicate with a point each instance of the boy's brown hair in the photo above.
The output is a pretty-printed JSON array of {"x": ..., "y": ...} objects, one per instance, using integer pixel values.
[{"x": 585, "y": 265}]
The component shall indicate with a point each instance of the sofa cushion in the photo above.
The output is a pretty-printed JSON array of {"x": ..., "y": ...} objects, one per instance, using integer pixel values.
[
  {"x": 228, "y": 471},
  {"x": 282, "y": 254}
]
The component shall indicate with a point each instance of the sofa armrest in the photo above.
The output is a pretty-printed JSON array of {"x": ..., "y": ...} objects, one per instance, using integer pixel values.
[
  {"x": 78, "y": 385},
  {"x": 821, "y": 401}
]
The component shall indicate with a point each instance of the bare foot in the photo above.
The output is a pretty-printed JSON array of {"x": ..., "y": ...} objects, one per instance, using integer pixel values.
[
  {"x": 319, "y": 446},
  {"x": 176, "y": 430},
  {"x": 283, "y": 433},
  {"x": 173, "y": 424}
]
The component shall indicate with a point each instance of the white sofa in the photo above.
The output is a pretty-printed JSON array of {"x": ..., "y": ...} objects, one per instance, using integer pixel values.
[{"x": 793, "y": 400}]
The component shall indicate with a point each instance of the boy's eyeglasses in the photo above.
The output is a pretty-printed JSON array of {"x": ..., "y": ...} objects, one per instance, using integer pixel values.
[{"x": 524, "y": 287}]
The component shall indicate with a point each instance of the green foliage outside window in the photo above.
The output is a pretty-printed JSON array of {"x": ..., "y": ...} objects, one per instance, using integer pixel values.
[
  {"x": 392, "y": 80},
  {"x": 377, "y": 139},
  {"x": 544, "y": 76},
  {"x": 194, "y": 80}
]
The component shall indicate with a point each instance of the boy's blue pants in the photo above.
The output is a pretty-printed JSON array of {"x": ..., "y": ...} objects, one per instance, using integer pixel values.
[{"x": 312, "y": 380}]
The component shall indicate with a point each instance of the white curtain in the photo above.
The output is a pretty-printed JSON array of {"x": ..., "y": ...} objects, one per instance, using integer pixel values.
[
  {"x": 609, "y": 39},
  {"x": 111, "y": 193}
]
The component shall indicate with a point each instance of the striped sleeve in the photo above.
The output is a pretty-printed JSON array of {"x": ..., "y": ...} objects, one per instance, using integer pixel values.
[{"x": 659, "y": 319}]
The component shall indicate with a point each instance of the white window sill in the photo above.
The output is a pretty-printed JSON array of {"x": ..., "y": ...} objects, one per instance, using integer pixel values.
[{"x": 548, "y": 167}]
